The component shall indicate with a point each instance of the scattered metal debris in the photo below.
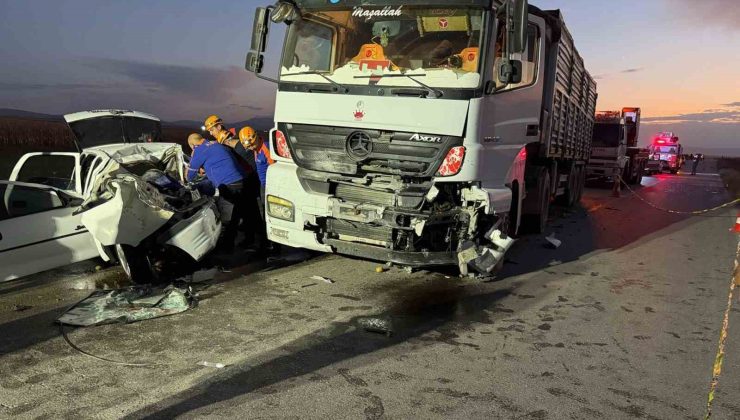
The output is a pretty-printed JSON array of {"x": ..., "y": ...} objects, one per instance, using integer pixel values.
[
  {"x": 131, "y": 304},
  {"x": 204, "y": 275},
  {"x": 322, "y": 278},
  {"x": 552, "y": 241},
  {"x": 21, "y": 308},
  {"x": 309, "y": 285},
  {"x": 376, "y": 325},
  {"x": 213, "y": 365}
]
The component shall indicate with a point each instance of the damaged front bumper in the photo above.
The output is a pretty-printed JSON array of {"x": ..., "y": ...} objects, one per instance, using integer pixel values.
[{"x": 410, "y": 223}]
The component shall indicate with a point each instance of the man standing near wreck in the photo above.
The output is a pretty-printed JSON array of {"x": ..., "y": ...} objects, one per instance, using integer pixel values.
[
  {"x": 223, "y": 170},
  {"x": 254, "y": 235}
]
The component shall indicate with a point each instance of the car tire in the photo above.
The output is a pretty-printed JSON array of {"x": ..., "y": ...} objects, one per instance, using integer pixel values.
[{"x": 135, "y": 263}]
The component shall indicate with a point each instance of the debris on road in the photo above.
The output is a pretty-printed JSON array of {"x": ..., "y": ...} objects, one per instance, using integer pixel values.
[
  {"x": 204, "y": 275},
  {"x": 380, "y": 269},
  {"x": 552, "y": 241},
  {"x": 213, "y": 365},
  {"x": 322, "y": 278},
  {"x": 21, "y": 308},
  {"x": 376, "y": 325},
  {"x": 136, "y": 303}
]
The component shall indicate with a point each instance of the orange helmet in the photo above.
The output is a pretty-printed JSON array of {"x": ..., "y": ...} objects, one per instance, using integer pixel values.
[
  {"x": 212, "y": 121},
  {"x": 247, "y": 136},
  {"x": 222, "y": 136}
]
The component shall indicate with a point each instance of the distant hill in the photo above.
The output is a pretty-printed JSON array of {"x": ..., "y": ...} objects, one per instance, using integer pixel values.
[
  {"x": 259, "y": 123},
  {"x": 9, "y": 112}
]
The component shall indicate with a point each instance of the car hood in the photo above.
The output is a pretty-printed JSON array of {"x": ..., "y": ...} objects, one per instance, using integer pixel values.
[{"x": 101, "y": 127}]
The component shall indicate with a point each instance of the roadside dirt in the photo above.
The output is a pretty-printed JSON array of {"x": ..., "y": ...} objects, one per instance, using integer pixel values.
[{"x": 729, "y": 170}]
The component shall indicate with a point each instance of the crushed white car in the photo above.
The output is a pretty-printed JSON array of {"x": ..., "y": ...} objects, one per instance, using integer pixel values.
[{"x": 135, "y": 202}]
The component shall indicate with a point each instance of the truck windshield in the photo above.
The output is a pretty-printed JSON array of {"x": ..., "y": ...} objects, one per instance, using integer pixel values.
[
  {"x": 438, "y": 47},
  {"x": 606, "y": 135},
  {"x": 665, "y": 149}
]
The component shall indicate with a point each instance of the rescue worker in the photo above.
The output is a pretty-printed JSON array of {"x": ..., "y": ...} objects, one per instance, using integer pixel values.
[
  {"x": 253, "y": 231},
  {"x": 694, "y": 163},
  {"x": 251, "y": 141},
  {"x": 262, "y": 158},
  {"x": 223, "y": 170}
]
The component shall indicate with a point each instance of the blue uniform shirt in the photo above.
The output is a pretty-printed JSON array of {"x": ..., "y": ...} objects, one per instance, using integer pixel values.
[
  {"x": 219, "y": 163},
  {"x": 262, "y": 161}
]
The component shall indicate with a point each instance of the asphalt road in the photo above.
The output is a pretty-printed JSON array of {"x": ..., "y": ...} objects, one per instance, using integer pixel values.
[{"x": 621, "y": 321}]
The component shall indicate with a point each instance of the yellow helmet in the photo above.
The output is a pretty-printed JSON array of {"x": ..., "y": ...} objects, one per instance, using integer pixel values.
[
  {"x": 212, "y": 121},
  {"x": 222, "y": 136},
  {"x": 247, "y": 136}
]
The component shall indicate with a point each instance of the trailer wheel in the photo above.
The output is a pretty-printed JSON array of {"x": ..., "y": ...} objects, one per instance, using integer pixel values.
[
  {"x": 538, "y": 200},
  {"x": 135, "y": 263},
  {"x": 581, "y": 177},
  {"x": 640, "y": 173},
  {"x": 571, "y": 189}
]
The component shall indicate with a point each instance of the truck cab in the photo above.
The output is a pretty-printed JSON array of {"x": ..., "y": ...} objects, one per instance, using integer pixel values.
[
  {"x": 411, "y": 131},
  {"x": 614, "y": 151}
]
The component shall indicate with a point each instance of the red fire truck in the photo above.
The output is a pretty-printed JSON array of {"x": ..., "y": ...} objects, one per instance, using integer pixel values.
[{"x": 666, "y": 154}]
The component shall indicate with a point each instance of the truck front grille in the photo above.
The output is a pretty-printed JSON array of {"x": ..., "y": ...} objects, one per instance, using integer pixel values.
[{"x": 325, "y": 148}]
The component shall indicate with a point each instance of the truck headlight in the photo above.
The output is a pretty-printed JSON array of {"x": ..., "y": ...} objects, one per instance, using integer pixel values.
[{"x": 280, "y": 208}]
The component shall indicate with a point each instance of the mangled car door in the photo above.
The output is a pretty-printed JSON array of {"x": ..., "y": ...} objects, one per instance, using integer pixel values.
[
  {"x": 56, "y": 169},
  {"x": 39, "y": 230}
]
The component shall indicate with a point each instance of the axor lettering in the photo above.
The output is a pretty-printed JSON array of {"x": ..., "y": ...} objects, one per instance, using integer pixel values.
[{"x": 427, "y": 139}]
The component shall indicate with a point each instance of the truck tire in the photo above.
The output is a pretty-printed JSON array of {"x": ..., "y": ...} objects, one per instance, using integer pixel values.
[
  {"x": 640, "y": 173},
  {"x": 135, "y": 263},
  {"x": 570, "y": 196},
  {"x": 538, "y": 203},
  {"x": 628, "y": 174},
  {"x": 581, "y": 178}
]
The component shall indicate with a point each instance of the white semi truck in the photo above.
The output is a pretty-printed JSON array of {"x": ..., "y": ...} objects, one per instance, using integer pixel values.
[{"x": 422, "y": 132}]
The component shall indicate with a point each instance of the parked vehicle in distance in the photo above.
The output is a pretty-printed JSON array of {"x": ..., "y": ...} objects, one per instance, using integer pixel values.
[
  {"x": 40, "y": 230},
  {"x": 420, "y": 134},
  {"x": 614, "y": 151},
  {"x": 131, "y": 188},
  {"x": 666, "y": 154}
]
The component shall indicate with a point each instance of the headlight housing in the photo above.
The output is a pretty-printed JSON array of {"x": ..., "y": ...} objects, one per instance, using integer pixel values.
[{"x": 280, "y": 208}]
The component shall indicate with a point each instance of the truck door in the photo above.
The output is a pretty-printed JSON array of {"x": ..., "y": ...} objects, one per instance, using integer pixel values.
[
  {"x": 510, "y": 117},
  {"x": 56, "y": 169}
]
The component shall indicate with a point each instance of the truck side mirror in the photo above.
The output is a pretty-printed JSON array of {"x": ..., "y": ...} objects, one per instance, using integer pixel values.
[
  {"x": 254, "y": 62},
  {"x": 283, "y": 11},
  {"x": 509, "y": 71},
  {"x": 515, "y": 14},
  {"x": 259, "y": 30},
  {"x": 518, "y": 26},
  {"x": 259, "y": 40}
]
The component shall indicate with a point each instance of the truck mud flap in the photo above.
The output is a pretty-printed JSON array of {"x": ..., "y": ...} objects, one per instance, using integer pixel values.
[{"x": 413, "y": 259}]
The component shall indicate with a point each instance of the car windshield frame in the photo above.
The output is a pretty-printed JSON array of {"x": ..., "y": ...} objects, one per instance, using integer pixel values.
[{"x": 362, "y": 76}]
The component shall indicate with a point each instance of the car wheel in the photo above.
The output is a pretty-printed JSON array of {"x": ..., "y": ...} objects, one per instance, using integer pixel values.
[{"x": 135, "y": 263}]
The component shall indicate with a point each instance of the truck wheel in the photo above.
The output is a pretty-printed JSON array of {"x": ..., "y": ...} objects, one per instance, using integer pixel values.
[
  {"x": 568, "y": 199},
  {"x": 581, "y": 178},
  {"x": 539, "y": 201},
  {"x": 135, "y": 263},
  {"x": 640, "y": 173},
  {"x": 627, "y": 175}
]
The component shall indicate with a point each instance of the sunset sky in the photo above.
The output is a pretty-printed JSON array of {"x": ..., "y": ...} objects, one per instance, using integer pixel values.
[{"x": 677, "y": 59}]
